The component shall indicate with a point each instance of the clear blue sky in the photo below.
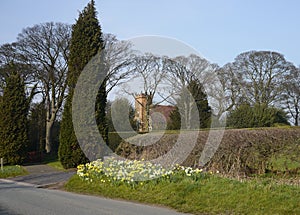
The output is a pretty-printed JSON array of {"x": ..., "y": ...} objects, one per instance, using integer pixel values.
[{"x": 218, "y": 29}]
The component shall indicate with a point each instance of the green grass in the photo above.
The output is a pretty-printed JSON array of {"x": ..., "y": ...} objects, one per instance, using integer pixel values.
[
  {"x": 56, "y": 164},
  {"x": 12, "y": 171},
  {"x": 52, "y": 160},
  {"x": 284, "y": 163},
  {"x": 211, "y": 194}
]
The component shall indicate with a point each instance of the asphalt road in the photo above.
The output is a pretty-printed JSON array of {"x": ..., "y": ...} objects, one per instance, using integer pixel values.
[
  {"x": 43, "y": 175},
  {"x": 45, "y": 178},
  {"x": 18, "y": 198}
]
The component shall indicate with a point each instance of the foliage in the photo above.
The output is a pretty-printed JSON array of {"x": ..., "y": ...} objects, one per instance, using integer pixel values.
[
  {"x": 246, "y": 116},
  {"x": 182, "y": 116},
  {"x": 69, "y": 153},
  {"x": 37, "y": 126},
  {"x": 207, "y": 194},
  {"x": 100, "y": 112},
  {"x": 85, "y": 43},
  {"x": 12, "y": 171},
  {"x": 13, "y": 124},
  {"x": 55, "y": 136},
  {"x": 175, "y": 120},
  {"x": 197, "y": 91}
]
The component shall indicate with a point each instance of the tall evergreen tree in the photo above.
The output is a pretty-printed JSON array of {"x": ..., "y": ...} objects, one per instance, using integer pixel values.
[
  {"x": 86, "y": 42},
  {"x": 37, "y": 127},
  {"x": 183, "y": 115},
  {"x": 175, "y": 120},
  {"x": 100, "y": 112},
  {"x": 13, "y": 124},
  {"x": 204, "y": 110}
]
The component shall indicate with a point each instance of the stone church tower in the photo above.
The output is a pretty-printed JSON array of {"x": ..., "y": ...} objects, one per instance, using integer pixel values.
[{"x": 141, "y": 116}]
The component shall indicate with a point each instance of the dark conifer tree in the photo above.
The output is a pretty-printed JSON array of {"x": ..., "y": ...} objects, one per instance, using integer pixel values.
[
  {"x": 13, "y": 124},
  {"x": 175, "y": 120},
  {"x": 179, "y": 115},
  {"x": 198, "y": 93},
  {"x": 37, "y": 127},
  {"x": 86, "y": 42}
]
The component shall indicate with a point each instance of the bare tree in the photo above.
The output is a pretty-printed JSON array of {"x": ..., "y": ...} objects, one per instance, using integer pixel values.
[
  {"x": 227, "y": 92},
  {"x": 190, "y": 78},
  {"x": 118, "y": 60},
  {"x": 149, "y": 70},
  {"x": 183, "y": 70},
  {"x": 262, "y": 74},
  {"x": 148, "y": 74},
  {"x": 291, "y": 95},
  {"x": 10, "y": 56},
  {"x": 46, "y": 47}
]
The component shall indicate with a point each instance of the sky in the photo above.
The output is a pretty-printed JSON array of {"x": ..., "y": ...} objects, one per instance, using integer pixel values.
[{"x": 218, "y": 29}]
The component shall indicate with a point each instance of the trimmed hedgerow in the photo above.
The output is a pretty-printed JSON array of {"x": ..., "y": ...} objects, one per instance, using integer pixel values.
[{"x": 242, "y": 152}]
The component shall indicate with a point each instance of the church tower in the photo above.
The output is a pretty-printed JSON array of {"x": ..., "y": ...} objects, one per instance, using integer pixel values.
[{"x": 141, "y": 113}]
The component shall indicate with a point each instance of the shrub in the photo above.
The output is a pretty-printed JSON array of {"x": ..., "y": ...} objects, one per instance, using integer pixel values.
[
  {"x": 241, "y": 152},
  {"x": 246, "y": 116}
]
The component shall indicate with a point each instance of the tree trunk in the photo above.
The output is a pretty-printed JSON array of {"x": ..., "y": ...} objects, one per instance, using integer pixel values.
[
  {"x": 50, "y": 119},
  {"x": 49, "y": 126}
]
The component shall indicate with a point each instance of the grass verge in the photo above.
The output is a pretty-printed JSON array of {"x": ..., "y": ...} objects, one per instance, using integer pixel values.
[
  {"x": 52, "y": 160},
  {"x": 212, "y": 194},
  {"x": 12, "y": 171},
  {"x": 57, "y": 165}
]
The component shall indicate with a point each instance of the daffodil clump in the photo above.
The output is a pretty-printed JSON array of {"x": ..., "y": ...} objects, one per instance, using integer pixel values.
[{"x": 131, "y": 171}]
